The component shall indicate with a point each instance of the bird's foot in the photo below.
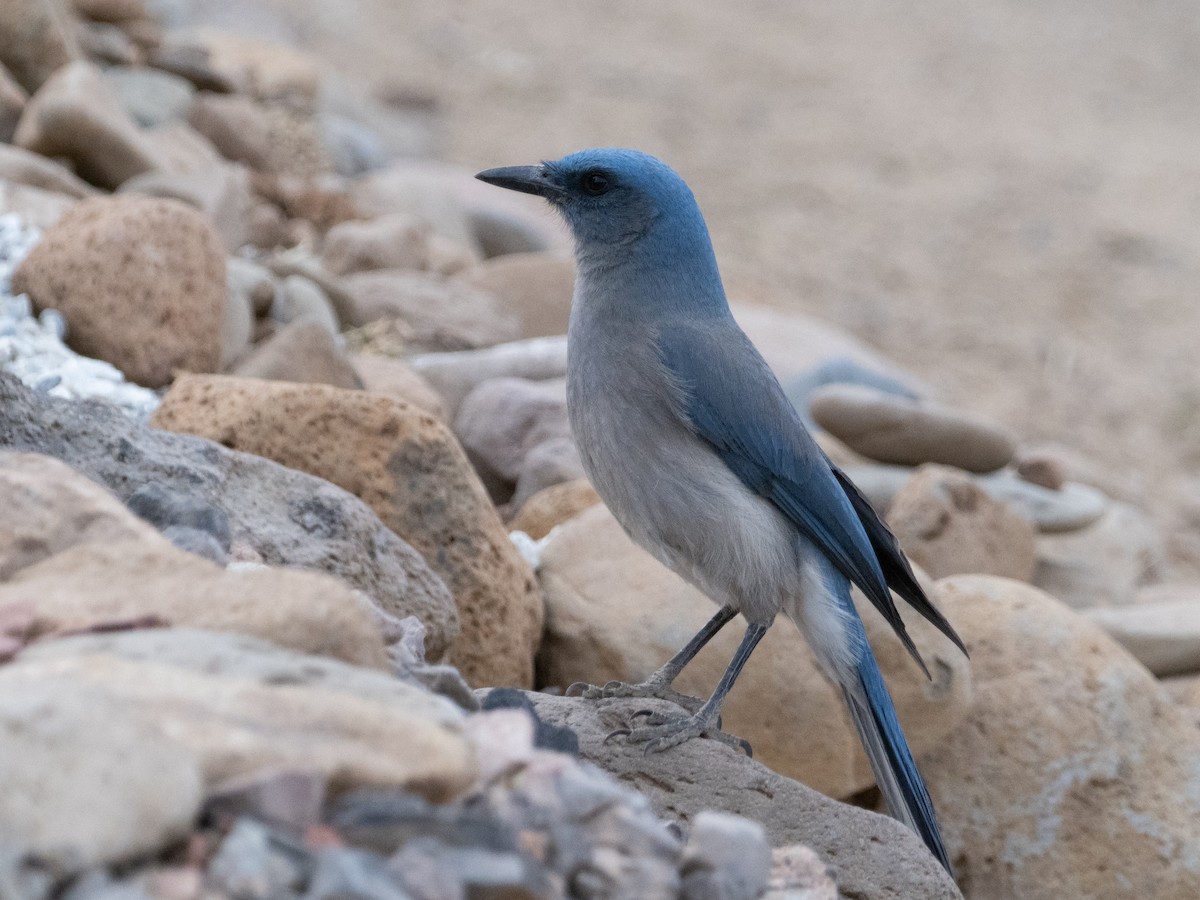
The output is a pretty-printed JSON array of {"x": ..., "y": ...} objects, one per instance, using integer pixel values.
[
  {"x": 647, "y": 690},
  {"x": 659, "y": 732}
]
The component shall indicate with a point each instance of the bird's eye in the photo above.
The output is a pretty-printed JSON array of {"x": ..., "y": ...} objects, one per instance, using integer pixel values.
[{"x": 594, "y": 183}]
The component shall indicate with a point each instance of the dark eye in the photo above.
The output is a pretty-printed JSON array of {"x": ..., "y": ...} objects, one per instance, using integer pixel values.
[{"x": 594, "y": 183}]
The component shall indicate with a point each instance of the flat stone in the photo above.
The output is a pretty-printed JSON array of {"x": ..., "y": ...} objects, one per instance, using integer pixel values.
[
  {"x": 396, "y": 378},
  {"x": 300, "y": 300},
  {"x": 1067, "y": 508},
  {"x": 1164, "y": 637},
  {"x": 454, "y": 375},
  {"x": 894, "y": 429},
  {"x": 151, "y": 96},
  {"x": 395, "y": 241},
  {"x": 33, "y": 169},
  {"x": 552, "y": 506}
]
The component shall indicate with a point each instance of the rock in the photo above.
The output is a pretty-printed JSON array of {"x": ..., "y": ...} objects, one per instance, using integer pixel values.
[
  {"x": 726, "y": 857},
  {"x": 1073, "y": 774},
  {"x": 298, "y": 261},
  {"x": 405, "y": 123},
  {"x": 290, "y": 797},
  {"x": 264, "y": 70},
  {"x": 454, "y": 375},
  {"x": 874, "y": 856},
  {"x": 267, "y": 137},
  {"x": 243, "y": 705},
  {"x": 394, "y": 377},
  {"x": 89, "y": 781},
  {"x": 164, "y": 508},
  {"x": 1164, "y": 637},
  {"x": 198, "y": 543},
  {"x": 537, "y": 287},
  {"x": 33, "y": 169},
  {"x": 1103, "y": 564},
  {"x": 797, "y": 873},
  {"x": 250, "y": 863},
  {"x": 1043, "y": 469},
  {"x": 221, "y": 192},
  {"x": 107, "y": 44},
  {"x": 75, "y": 115},
  {"x": 894, "y": 429},
  {"x": 285, "y": 517},
  {"x": 410, "y": 188},
  {"x": 503, "y": 419},
  {"x": 35, "y": 207},
  {"x": 793, "y": 344},
  {"x": 237, "y": 326},
  {"x": 116, "y": 12},
  {"x": 36, "y": 39},
  {"x": 180, "y": 148},
  {"x": 395, "y": 241},
  {"x": 613, "y": 613},
  {"x": 97, "y": 584},
  {"x": 948, "y": 525},
  {"x": 140, "y": 281},
  {"x": 841, "y": 370},
  {"x": 187, "y": 59},
  {"x": 1067, "y": 508},
  {"x": 49, "y": 508},
  {"x": 442, "y": 315},
  {"x": 252, "y": 281},
  {"x": 300, "y": 301},
  {"x": 151, "y": 97},
  {"x": 409, "y": 468},
  {"x": 552, "y": 506},
  {"x": 303, "y": 352},
  {"x": 551, "y": 462},
  {"x": 12, "y": 105}
]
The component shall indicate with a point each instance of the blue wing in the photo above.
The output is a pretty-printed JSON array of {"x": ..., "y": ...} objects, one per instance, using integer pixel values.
[{"x": 734, "y": 402}]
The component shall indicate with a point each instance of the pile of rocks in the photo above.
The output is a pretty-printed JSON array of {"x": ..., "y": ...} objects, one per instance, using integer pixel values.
[{"x": 296, "y": 556}]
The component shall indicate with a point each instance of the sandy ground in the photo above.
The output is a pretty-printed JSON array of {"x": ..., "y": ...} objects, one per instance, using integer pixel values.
[{"x": 1001, "y": 196}]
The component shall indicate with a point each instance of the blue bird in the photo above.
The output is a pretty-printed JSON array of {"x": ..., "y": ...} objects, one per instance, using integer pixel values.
[{"x": 688, "y": 438}]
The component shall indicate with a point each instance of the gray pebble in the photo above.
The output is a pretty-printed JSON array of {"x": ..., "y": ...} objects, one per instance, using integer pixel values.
[{"x": 164, "y": 508}]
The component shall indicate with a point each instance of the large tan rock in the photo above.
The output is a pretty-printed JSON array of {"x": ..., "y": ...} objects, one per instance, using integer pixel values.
[
  {"x": 408, "y": 467},
  {"x": 149, "y": 580},
  {"x": 535, "y": 286},
  {"x": 49, "y": 507},
  {"x": 1073, "y": 775},
  {"x": 949, "y": 525},
  {"x": 36, "y": 38},
  {"x": 242, "y": 705},
  {"x": 74, "y": 114},
  {"x": 614, "y": 613},
  {"x": 141, "y": 282},
  {"x": 88, "y": 780}
]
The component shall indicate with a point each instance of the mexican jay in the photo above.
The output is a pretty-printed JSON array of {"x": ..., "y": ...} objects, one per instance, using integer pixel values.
[{"x": 689, "y": 439}]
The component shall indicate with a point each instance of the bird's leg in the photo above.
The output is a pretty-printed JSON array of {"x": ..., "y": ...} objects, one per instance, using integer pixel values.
[
  {"x": 663, "y": 732},
  {"x": 658, "y": 685}
]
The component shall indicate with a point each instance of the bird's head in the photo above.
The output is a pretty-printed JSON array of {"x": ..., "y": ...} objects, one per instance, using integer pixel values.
[{"x": 611, "y": 199}]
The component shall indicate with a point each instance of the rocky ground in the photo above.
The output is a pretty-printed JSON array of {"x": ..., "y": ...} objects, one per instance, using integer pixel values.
[{"x": 296, "y": 556}]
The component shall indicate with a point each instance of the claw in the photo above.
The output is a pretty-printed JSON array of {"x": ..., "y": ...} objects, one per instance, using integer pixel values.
[
  {"x": 620, "y": 732},
  {"x": 648, "y": 713},
  {"x": 576, "y": 689},
  {"x": 746, "y": 747}
]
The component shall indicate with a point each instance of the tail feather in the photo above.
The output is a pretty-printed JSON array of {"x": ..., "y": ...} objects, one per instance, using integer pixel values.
[{"x": 896, "y": 773}]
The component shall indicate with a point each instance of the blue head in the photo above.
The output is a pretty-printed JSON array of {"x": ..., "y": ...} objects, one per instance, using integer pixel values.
[{"x": 625, "y": 208}]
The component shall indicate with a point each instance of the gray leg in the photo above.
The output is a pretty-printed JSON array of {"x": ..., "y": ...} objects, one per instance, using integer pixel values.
[
  {"x": 661, "y": 732},
  {"x": 658, "y": 685}
]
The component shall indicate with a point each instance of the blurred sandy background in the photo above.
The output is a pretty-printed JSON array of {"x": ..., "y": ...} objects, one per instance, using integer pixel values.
[{"x": 1000, "y": 196}]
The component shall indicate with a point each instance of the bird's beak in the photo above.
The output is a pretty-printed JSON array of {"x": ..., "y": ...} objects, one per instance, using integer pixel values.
[{"x": 527, "y": 179}]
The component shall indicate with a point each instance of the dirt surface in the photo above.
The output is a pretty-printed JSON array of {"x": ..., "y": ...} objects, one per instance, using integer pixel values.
[{"x": 1000, "y": 196}]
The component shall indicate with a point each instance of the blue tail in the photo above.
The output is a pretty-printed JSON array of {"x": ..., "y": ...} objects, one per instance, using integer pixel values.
[{"x": 895, "y": 771}]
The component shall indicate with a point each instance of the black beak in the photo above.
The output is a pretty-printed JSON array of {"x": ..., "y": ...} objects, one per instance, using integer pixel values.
[{"x": 527, "y": 179}]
